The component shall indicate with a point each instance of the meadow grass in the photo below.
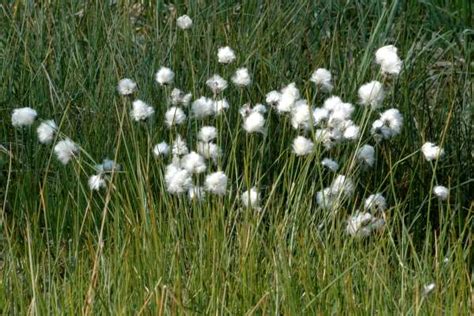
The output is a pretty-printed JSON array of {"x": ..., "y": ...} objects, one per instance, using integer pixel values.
[{"x": 134, "y": 248}]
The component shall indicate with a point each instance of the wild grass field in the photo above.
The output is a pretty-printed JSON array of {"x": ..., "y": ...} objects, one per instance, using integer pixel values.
[{"x": 139, "y": 246}]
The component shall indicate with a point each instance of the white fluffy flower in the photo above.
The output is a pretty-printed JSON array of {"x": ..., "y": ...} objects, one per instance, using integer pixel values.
[
  {"x": 330, "y": 164},
  {"x": 320, "y": 115},
  {"x": 342, "y": 186},
  {"x": 431, "y": 151},
  {"x": 322, "y": 77},
  {"x": 216, "y": 183},
  {"x": 326, "y": 199},
  {"x": 372, "y": 94},
  {"x": 366, "y": 155},
  {"x": 209, "y": 150},
  {"x": 251, "y": 198},
  {"x": 289, "y": 95},
  {"x": 46, "y": 131},
  {"x": 174, "y": 116},
  {"x": 184, "y": 22},
  {"x": 441, "y": 192},
  {"x": 225, "y": 55},
  {"x": 389, "y": 125},
  {"x": 126, "y": 86},
  {"x": 196, "y": 193},
  {"x": 302, "y": 146},
  {"x": 220, "y": 106},
  {"x": 193, "y": 163},
  {"x": 350, "y": 131},
  {"x": 375, "y": 202},
  {"x": 254, "y": 123},
  {"x": 23, "y": 117},
  {"x": 164, "y": 76},
  {"x": 207, "y": 133},
  {"x": 301, "y": 115},
  {"x": 272, "y": 98},
  {"x": 177, "y": 180},
  {"x": 362, "y": 224},
  {"x": 202, "y": 107},
  {"x": 388, "y": 60},
  {"x": 161, "y": 149},
  {"x": 217, "y": 84},
  {"x": 141, "y": 111},
  {"x": 179, "y": 97},
  {"x": 241, "y": 77},
  {"x": 96, "y": 182},
  {"x": 65, "y": 150},
  {"x": 179, "y": 147}
]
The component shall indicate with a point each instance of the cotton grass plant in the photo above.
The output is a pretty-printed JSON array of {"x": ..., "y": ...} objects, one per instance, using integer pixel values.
[{"x": 233, "y": 159}]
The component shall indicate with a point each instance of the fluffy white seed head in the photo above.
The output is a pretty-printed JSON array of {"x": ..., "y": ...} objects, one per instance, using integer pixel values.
[
  {"x": 65, "y": 150},
  {"x": 431, "y": 151},
  {"x": 330, "y": 164},
  {"x": 254, "y": 123},
  {"x": 366, "y": 155},
  {"x": 180, "y": 147},
  {"x": 375, "y": 203},
  {"x": 441, "y": 192},
  {"x": 289, "y": 95},
  {"x": 322, "y": 78},
  {"x": 207, "y": 133},
  {"x": 241, "y": 78},
  {"x": 342, "y": 186},
  {"x": 301, "y": 115},
  {"x": 372, "y": 94},
  {"x": 141, "y": 111},
  {"x": 107, "y": 166},
  {"x": 209, "y": 150},
  {"x": 217, "y": 84},
  {"x": 320, "y": 115},
  {"x": 220, "y": 106},
  {"x": 193, "y": 163},
  {"x": 389, "y": 125},
  {"x": 363, "y": 224},
  {"x": 126, "y": 86},
  {"x": 302, "y": 146},
  {"x": 326, "y": 199},
  {"x": 164, "y": 76},
  {"x": 202, "y": 107},
  {"x": 161, "y": 149},
  {"x": 178, "y": 97},
  {"x": 251, "y": 198},
  {"x": 388, "y": 60},
  {"x": 184, "y": 22},
  {"x": 46, "y": 131},
  {"x": 272, "y": 98},
  {"x": 177, "y": 180},
  {"x": 174, "y": 116},
  {"x": 96, "y": 182},
  {"x": 23, "y": 117},
  {"x": 216, "y": 183},
  {"x": 225, "y": 55}
]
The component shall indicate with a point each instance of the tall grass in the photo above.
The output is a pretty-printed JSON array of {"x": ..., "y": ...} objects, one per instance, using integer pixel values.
[{"x": 134, "y": 248}]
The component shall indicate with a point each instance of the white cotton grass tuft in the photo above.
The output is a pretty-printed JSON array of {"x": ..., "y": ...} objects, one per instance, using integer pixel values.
[
  {"x": 179, "y": 147},
  {"x": 141, "y": 111},
  {"x": 160, "y": 150},
  {"x": 202, "y": 107},
  {"x": 302, "y": 146},
  {"x": 209, "y": 150},
  {"x": 225, "y": 55},
  {"x": 301, "y": 115},
  {"x": 441, "y": 192},
  {"x": 342, "y": 186},
  {"x": 431, "y": 151},
  {"x": 372, "y": 94},
  {"x": 207, "y": 133},
  {"x": 330, "y": 164},
  {"x": 46, "y": 131},
  {"x": 164, "y": 76},
  {"x": 320, "y": 115},
  {"x": 196, "y": 193},
  {"x": 96, "y": 182},
  {"x": 251, "y": 198},
  {"x": 178, "y": 97},
  {"x": 174, "y": 116},
  {"x": 216, "y": 183},
  {"x": 216, "y": 83},
  {"x": 65, "y": 150},
  {"x": 366, "y": 155},
  {"x": 428, "y": 288},
  {"x": 184, "y": 22},
  {"x": 254, "y": 122},
  {"x": 272, "y": 98},
  {"x": 241, "y": 78},
  {"x": 388, "y": 125},
  {"x": 375, "y": 203},
  {"x": 219, "y": 106},
  {"x": 23, "y": 117},
  {"x": 289, "y": 95},
  {"x": 363, "y": 224},
  {"x": 322, "y": 78},
  {"x": 107, "y": 166},
  {"x": 193, "y": 162},
  {"x": 388, "y": 60},
  {"x": 126, "y": 86},
  {"x": 177, "y": 179}
]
